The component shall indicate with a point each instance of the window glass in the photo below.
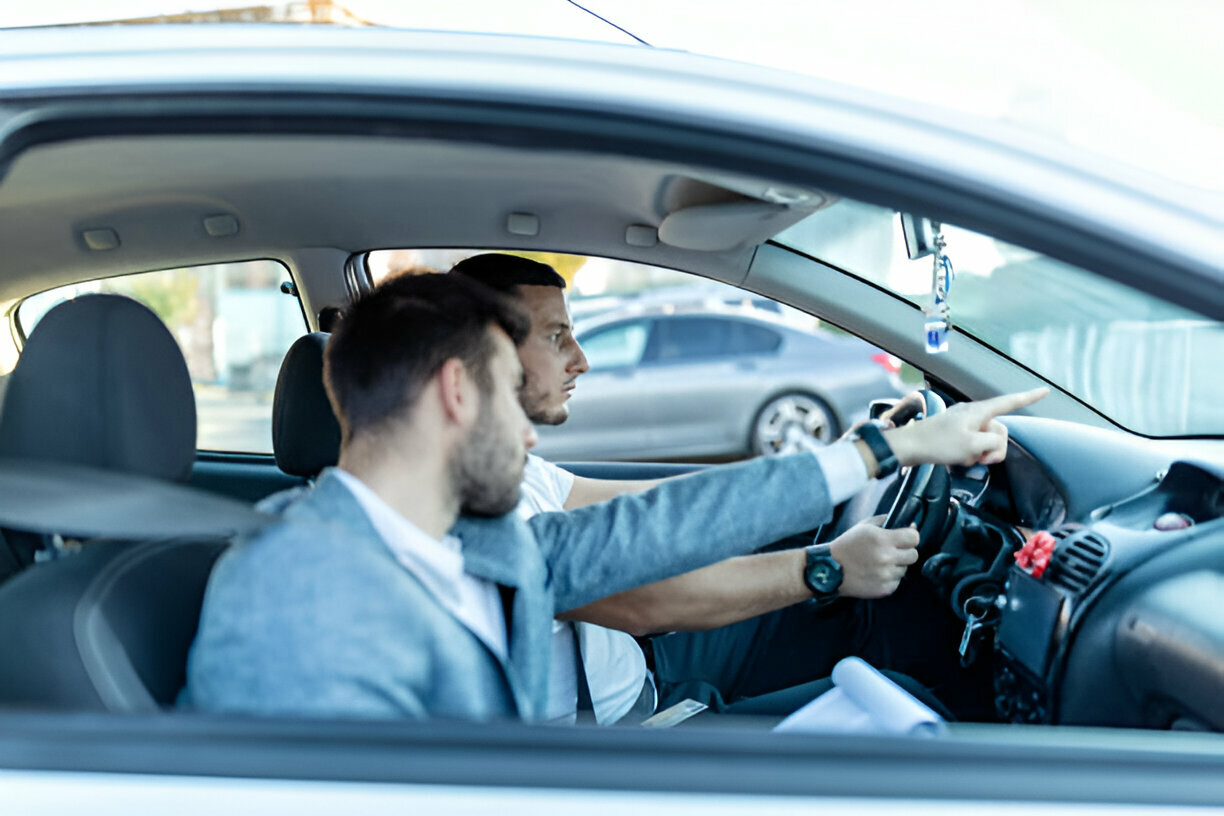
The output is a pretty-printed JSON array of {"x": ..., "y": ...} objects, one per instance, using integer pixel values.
[
  {"x": 615, "y": 346},
  {"x": 673, "y": 407},
  {"x": 233, "y": 325},
  {"x": 1099, "y": 339},
  {"x": 703, "y": 338},
  {"x": 690, "y": 338},
  {"x": 747, "y": 338}
]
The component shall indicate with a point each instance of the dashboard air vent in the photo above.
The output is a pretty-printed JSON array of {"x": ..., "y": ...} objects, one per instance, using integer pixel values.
[{"x": 1076, "y": 561}]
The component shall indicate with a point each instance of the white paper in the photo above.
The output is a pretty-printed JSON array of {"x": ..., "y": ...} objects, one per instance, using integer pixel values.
[
  {"x": 863, "y": 701},
  {"x": 674, "y": 715}
]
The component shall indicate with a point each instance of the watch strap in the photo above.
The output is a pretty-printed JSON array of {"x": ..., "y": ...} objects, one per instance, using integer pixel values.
[{"x": 871, "y": 435}]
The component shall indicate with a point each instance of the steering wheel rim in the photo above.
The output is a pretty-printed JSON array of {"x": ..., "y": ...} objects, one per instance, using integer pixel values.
[{"x": 916, "y": 479}]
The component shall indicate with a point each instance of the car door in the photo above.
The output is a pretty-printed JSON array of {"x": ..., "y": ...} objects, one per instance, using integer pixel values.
[
  {"x": 607, "y": 418},
  {"x": 698, "y": 384}
]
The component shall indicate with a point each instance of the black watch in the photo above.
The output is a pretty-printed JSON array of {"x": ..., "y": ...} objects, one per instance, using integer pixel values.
[
  {"x": 886, "y": 460},
  {"x": 821, "y": 572}
]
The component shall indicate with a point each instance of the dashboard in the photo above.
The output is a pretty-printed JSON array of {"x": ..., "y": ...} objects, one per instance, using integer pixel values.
[
  {"x": 1125, "y": 628},
  {"x": 1124, "y": 625}
]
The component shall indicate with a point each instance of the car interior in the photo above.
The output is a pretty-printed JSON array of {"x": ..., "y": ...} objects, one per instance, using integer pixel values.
[{"x": 1120, "y": 629}]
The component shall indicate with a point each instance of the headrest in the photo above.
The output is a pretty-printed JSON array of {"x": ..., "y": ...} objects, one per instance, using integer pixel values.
[
  {"x": 102, "y": 383},
  {"x": 305, "y": 432}
]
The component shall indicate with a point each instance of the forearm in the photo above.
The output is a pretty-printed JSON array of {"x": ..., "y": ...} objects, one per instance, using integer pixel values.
[
  {"x": 680, "y": 526},
  {"x": 717, "y": 595}
]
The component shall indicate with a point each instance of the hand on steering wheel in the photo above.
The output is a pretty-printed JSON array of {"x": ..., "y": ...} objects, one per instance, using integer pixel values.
[{"x": 968, "y": 433}]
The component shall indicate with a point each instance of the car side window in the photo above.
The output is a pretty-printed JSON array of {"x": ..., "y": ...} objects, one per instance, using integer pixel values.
[
  {"x": 748, "y": 338},
  {"x": 688, "y": 338},
  {"x": 616, "y": 346},
  {"x": 233, "y": 324},
  {"x": 683, "y": 339},
  {"x": 696, "y": 370}
]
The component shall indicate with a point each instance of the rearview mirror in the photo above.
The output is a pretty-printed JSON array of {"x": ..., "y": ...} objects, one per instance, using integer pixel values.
[{"x": 919, "y": 235}]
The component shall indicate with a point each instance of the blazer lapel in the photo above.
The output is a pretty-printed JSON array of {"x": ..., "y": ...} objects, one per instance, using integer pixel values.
[{"x": 502, "y": 550}]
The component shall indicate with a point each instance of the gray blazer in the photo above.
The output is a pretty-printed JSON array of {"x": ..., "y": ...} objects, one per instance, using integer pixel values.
[{"x": 314, "y": 616}]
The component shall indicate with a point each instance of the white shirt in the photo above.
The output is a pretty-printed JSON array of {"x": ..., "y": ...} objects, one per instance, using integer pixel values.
[
  {"x": 614, "y": 664},
  {"x": 844, "y": 470},
  {"x": 438, "y": 565}
]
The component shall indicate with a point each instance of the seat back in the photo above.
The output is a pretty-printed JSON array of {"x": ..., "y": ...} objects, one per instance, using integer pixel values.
[{"x": 305, "y": 432}]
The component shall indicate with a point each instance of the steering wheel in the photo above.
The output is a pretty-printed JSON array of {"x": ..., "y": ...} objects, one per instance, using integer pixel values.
[{"x": 925, "y": 491}]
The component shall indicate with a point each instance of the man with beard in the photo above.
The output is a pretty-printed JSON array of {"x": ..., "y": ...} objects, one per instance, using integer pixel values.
[{"x": 360, "y": 603}]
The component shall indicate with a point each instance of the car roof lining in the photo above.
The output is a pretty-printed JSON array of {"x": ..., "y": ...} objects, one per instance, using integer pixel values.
[{"x": 154, "y": 192}]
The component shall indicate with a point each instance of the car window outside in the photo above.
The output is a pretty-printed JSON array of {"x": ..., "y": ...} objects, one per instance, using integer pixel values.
[
  {"x": 1100, "y": 340},
  {"x": 694, "y": 338},
  {"x": 233, "y": 324},
  {"x": 690, "y": 338},
  {"x": 687, "y": 369},
  {"x": 615, "y": 346},
  {"x": 744, "y": 338}
]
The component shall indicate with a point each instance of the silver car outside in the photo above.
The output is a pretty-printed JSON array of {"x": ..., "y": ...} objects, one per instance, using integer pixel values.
[{"x": 704, "y": 385}]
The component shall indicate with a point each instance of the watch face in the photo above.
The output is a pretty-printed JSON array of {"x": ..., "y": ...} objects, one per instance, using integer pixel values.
[{"x": 824, "y": 574}]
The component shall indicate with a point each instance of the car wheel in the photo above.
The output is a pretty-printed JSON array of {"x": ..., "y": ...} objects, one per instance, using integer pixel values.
[{"x": 792, "y": 422}]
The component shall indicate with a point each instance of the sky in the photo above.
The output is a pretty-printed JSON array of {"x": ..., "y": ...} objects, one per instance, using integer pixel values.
[{"x": 1135, "y": 80}]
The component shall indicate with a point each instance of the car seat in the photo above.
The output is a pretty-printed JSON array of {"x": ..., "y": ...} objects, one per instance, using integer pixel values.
[
  {"x": 305, "y": 432},
  {"x": 101, "y": 400}
]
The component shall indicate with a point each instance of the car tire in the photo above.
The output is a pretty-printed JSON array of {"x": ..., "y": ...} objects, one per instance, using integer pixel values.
[{"x": 792, "y": 422}]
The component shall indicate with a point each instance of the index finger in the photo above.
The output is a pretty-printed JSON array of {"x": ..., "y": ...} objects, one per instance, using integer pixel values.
[{"x": 1007, "y": 403}]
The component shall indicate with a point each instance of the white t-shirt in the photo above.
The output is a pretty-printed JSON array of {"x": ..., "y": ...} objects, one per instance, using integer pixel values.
[{"x": 615, "y": 667}]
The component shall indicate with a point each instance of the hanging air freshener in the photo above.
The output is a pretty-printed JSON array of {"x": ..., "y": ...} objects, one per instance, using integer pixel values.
[{"x": 938, "y": 317}]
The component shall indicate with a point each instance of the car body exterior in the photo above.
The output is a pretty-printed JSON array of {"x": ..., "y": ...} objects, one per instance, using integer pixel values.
[
  {"x": 713, "y": 384},
  {"x": 321, "y": 144}
]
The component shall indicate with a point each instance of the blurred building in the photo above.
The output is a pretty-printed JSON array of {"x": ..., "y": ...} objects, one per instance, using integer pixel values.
[{"x": 298, "y": 11}]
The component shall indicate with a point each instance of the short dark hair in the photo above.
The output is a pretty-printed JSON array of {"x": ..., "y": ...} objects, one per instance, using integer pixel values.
[
  {"x": 506, "y": 273},
  {"x": 396, "y": 337}
]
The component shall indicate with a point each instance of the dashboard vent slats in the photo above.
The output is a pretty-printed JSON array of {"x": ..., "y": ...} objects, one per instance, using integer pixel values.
[{"x": 1077, "y": 560}]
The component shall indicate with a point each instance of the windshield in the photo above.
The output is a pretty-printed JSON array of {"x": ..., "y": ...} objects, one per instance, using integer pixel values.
[{"x": 1149, "y": 366}]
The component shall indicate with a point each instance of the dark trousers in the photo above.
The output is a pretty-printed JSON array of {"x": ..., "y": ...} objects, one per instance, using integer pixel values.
[{"x": 764, "y": 665}]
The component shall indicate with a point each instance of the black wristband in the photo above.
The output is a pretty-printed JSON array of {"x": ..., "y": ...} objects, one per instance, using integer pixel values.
[{"x": 886, "y": 460}]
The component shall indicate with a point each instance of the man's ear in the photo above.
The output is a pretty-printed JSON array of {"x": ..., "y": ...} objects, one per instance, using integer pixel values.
[{"x": 457, "y": 391}]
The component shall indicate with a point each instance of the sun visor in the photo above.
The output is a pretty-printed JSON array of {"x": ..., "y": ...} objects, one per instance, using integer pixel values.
[{"x": 730, "y": 225}]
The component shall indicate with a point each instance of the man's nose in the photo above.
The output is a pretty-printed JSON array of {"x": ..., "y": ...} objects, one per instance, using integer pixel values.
[{"x": 578, "y": 363}]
